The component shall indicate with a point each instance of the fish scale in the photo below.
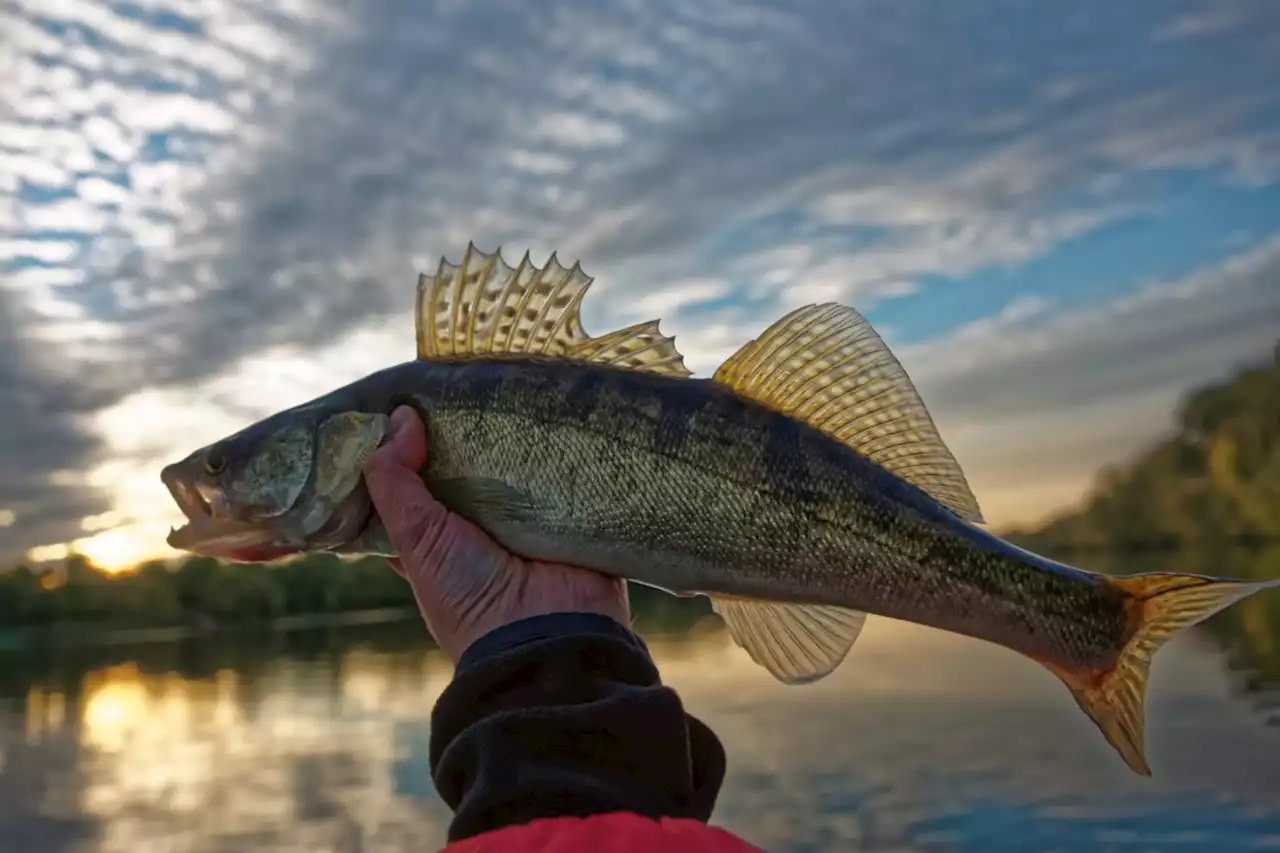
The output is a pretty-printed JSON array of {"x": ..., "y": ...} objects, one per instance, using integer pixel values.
[
  {"x": 801, "y": 487},
  {"x": 799, "y": 516}
]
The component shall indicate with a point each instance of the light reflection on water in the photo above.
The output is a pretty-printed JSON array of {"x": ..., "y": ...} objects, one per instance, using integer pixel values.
[{"x": 921, "y": 741}]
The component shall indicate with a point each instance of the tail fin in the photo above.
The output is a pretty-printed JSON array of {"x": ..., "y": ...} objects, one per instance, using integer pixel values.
[{"x": 1160, "y": 605}]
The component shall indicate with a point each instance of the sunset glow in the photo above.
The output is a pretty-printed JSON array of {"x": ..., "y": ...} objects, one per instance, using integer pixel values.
[{"x": 1058, "y": 235}]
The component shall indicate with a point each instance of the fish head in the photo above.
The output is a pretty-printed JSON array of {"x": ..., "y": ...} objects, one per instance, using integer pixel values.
[{"x": 287, "y": 484}]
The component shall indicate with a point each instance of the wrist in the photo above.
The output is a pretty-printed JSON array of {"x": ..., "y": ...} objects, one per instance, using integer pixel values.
[
  {"x": 498, "y": 619},
  {"x": 544, "y": 626}
]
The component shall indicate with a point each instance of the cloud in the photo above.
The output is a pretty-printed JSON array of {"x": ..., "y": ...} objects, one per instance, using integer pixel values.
[
  {"x": 43, "y": 439},
  {"x": 186, "y": 185},
  {"x": 1036, "y": 398}
]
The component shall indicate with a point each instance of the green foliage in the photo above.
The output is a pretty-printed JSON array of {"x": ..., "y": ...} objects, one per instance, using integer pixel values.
[
  {"x": 1215, "y": 481},
  {"x": 196, "y": 592},
  {"x": 201, "y": 593}
]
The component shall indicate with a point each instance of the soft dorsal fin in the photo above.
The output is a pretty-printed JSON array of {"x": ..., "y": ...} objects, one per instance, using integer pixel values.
[
  {"x": 485, "y": 307},
  {"x": 797, "y": 643},
  {"x": 826, "y": 365}
]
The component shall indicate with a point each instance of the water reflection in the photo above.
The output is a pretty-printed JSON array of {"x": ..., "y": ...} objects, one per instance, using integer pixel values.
[{"x": 922, "y": 741}]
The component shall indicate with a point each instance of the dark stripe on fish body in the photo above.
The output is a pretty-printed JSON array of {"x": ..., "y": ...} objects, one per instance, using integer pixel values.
[
  {"x": 581, "y": 395},
  {"x": 785, "y": 461},
  {"x": 477, "y": 385},
  {"x": 678, "y": 406},
  {"x": 786, "y": 469}
]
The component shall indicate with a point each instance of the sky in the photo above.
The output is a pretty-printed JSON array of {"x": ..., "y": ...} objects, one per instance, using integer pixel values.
[{"x": 1059, "y": 216}]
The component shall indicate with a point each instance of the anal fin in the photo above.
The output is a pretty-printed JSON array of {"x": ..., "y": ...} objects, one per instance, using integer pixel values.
[{"x": 796, "y": 643}]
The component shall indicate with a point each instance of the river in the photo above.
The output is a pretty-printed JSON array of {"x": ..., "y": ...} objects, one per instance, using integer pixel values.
[{"x": 922, "y": 741}]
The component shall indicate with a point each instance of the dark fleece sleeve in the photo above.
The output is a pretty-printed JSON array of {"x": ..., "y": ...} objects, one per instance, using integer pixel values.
[{"x": 561, "y": 715}]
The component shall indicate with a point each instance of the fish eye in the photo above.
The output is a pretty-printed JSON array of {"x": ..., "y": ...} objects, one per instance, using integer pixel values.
[{"x": 215, "y": 461}]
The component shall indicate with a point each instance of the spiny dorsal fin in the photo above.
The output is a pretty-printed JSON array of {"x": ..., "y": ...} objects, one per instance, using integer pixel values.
[
  {"x": 639, "y": 347},
  {"x": 825, "y": 365},
  {"x": 797, "y": 643},
  {"x": 483, "y": 307}
]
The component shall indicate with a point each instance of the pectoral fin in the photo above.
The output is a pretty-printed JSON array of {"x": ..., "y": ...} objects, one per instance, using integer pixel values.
[
  {"x": 483, "y": 499},
  {"x": 797, "y": 643}
]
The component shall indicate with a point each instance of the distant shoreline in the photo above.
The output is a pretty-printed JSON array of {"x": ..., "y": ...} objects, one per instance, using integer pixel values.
[{"x": 71, "y": 634}]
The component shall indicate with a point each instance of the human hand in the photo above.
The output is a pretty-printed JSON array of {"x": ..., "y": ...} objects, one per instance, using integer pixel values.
[{"x": 466, "y": 584}]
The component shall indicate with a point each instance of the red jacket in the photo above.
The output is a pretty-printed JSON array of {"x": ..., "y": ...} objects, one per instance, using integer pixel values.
[{"x": 618, "y": 832}]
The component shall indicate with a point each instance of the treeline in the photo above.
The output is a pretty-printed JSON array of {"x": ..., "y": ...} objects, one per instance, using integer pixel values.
[
  {"x": 1214, "y": 482},
  {"x": 1205, "y": 500},
  {"x": 202, "y": 593},
  {"x": 196, "y": 591}
]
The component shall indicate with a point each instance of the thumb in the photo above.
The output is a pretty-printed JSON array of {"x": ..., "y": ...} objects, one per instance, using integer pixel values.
[
  {"x": 413, "y": 518},
  {"x": 406, "y": 442}
]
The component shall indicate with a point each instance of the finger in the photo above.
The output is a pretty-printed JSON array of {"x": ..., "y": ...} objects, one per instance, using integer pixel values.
[
  {"x": 401, "y": 454},
  {"x": 397, "y": 566},
  {"x": 412, "y": 517},
  {"x": 406, "y": 440}
]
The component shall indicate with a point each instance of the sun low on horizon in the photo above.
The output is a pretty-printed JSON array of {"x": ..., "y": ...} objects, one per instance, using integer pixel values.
[{"x": 214, "y": 211}]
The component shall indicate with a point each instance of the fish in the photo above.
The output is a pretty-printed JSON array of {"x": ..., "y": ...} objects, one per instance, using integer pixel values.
[{"x": 801, "y": 487}]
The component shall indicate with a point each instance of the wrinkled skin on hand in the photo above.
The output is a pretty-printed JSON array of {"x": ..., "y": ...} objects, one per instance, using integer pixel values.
[{"x": 466, "y": 584}]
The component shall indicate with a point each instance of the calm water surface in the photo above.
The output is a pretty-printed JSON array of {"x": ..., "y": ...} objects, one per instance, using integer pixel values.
[{"x": 921, "y": 742}]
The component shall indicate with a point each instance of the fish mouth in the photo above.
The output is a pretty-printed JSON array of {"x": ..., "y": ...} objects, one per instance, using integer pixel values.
[{"x": 210, "y": 529}]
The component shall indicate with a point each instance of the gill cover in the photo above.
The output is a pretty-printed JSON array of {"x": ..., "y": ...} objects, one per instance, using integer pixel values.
[
  {"x": 344, "y": 443},
  {"x": 269, "y": 482}
]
